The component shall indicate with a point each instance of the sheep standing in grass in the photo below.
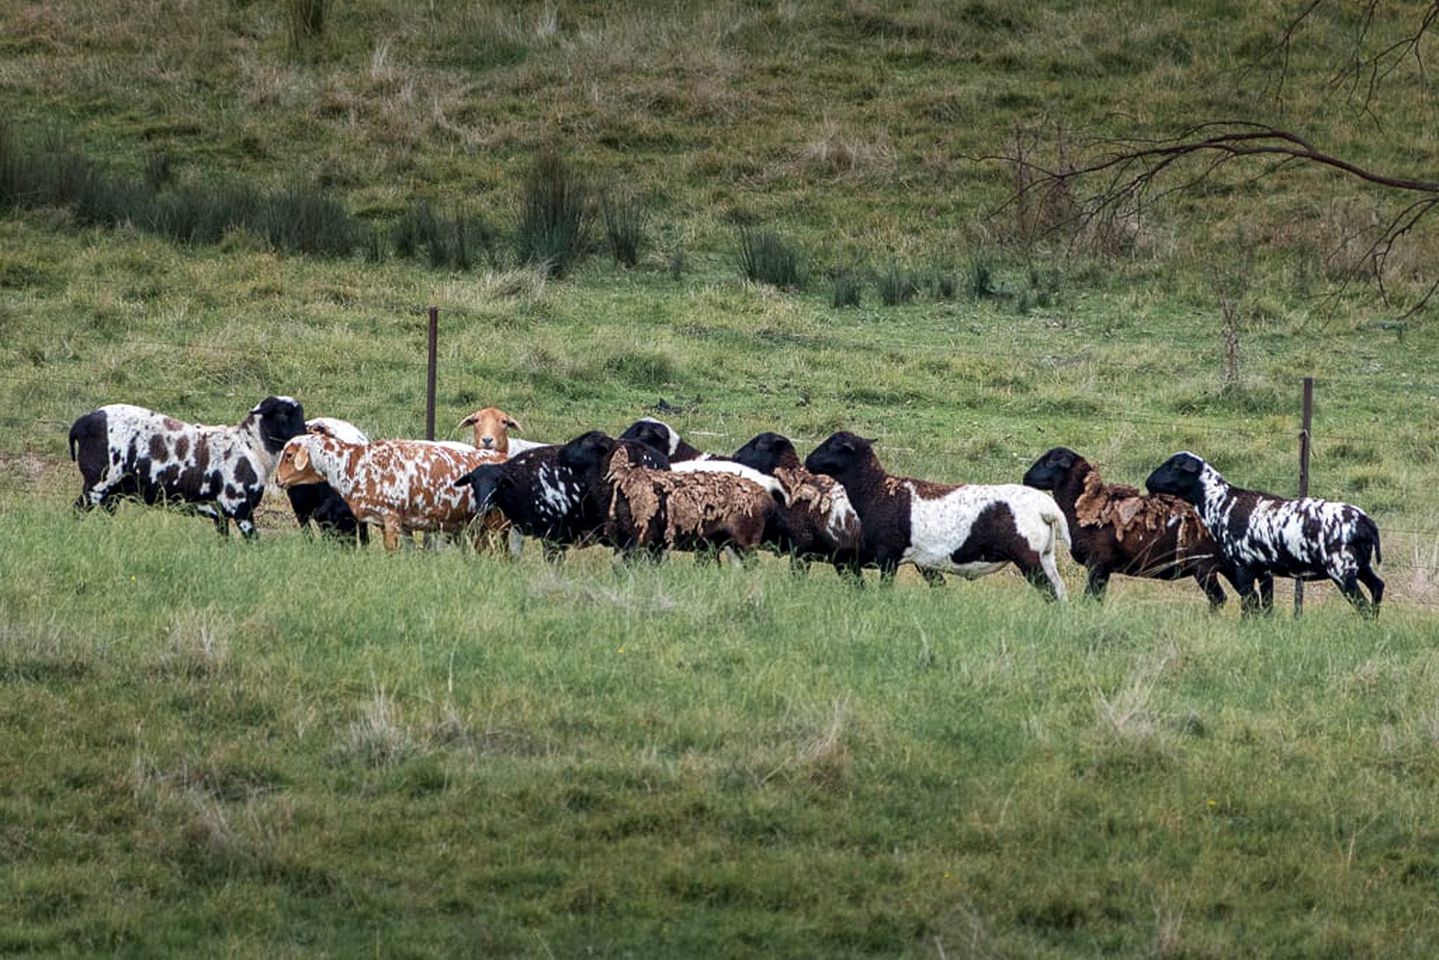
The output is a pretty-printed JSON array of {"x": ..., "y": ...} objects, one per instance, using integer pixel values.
[
  {"x": 1117, "y": 529},
  {"x": 547, "y": 496},
  {"x": 128, "y": 451},
  {"x": 656, "y": 510},
  {"x": 406, "y": 486},
  {"x": 816, "y": 521},
  {"x": 321, "y": 503},
  {"x": 1264, "y": 536},
  {"x": 970, "y": 529}
]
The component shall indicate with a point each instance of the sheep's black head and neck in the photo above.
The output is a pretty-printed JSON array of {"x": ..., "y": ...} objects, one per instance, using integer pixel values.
[
  {"x": 275, "y": 420},
  {"x": 1052, "y": 469},
  {"x": 766, "y": 452},
  {"x": 843, "y": 456},
  {"x": 587, "y": 453},
  {"x": 485, "y": 482},
  {"x": 1181, "y": 475}
]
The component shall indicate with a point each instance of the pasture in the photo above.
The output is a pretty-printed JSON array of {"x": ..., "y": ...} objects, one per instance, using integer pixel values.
[{"x": 289, "y": 748}]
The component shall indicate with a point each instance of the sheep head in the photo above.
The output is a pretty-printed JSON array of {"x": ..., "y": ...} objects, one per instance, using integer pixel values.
[
  {"x": 1181, "y": 475},
  {"x": 767, "y": 452},
  {"x": 1051, "y": 470},
  {"x": 842, "y": 454},
  {"x": 492, "y": 426},
  {"x": 296, "y": 464}
]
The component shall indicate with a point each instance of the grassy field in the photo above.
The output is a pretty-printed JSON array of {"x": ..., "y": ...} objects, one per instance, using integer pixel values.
[{"x": 288, "y": 748}]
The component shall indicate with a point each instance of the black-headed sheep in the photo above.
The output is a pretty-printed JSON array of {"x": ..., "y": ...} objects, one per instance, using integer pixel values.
[
  {"x": 545, "y": 495},
  {"x": 1118, "y": 529},
  {"x": 1264, "y": 536},
  {"x": 969, "y": 529},
  {"x": 656, "y": 510},
  {"x": 816, "y": 521},
  {"x": 128, "y": 451}
]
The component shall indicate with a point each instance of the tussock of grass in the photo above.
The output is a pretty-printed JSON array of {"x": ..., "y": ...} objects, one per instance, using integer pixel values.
[
  {"x": 555, "y": 213},
  {"x": 766, "y": 257}
]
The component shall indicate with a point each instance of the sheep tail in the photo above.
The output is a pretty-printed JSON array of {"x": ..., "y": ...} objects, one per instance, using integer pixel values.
[
  {"x": 73, "y": 440},
  {"x": 1060, "y": 526}
]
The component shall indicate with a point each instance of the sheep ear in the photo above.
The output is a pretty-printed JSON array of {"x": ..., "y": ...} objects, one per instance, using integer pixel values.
[
  {"x": 1189, "y": 466},
  {"x": 470, "y": 420},
  {"x": 302, "y": 458},
  {"x": 1065, "y": 461},
  {"x": 514, "y": 425}
]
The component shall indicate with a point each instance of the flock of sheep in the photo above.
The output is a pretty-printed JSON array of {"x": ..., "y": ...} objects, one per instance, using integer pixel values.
[{"x": 650, "y": 491}]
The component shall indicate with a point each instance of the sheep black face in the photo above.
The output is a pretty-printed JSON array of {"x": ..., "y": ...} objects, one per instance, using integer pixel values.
[
  {"x": 587, "y": 452},
  {"x": 277, "y": 419},
  {"x": 1050, "y": 470},
  {"x": 652, "y": 433},
  {"x": 1179, "y": 475},
  {"x": 840, "y": 454},
  {"x": 484, "y": 482},
  {"x": 766, "y": 452}
]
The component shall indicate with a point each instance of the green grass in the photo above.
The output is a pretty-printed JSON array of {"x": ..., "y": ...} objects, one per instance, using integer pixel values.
[
  {"x": 287, "y": 748},
  {"x": 677, "y": 759}
]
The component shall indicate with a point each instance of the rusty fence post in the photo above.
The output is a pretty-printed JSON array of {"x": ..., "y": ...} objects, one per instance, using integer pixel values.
[
  {"x": 1307, "y": 416},
  {"x": 430, "y": 375}
]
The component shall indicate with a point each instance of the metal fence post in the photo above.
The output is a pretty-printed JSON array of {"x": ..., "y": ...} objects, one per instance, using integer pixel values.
[
  {"x": 1306, "y": 416},
  {"x": 430, "y": 377}
]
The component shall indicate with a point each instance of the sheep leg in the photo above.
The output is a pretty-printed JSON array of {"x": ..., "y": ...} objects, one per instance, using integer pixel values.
[
  {"x": 850, "y": 571},
  {"x": 798, "y": 565},
  {"x": 1266, "y": 592},
  {"x": 551, "y": 551},
  {"x": 392, "y": 534},
  {"x": 887, "y": 569},
  {"x": 932, "y": 577},
  {"x": 516, "y": 543},
  {"x": 1208, "y": 581},
  {"x": 1097, "y": 583},
  {"x": 1370, "y": 579},
  {"x": 1244, "y": 585}
]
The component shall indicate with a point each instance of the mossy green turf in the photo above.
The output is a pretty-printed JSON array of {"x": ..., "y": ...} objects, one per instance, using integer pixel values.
[{"x": 289, "y": 748}]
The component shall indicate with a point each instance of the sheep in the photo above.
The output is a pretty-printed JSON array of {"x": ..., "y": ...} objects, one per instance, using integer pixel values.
[
  {"x": 969, "y": 529},
  {"x": 1263, "y": 536},
  {"x": 654, "y": 510},
  {"x": 545, "y": 496},
  {"x": 322, "y": 503},
  {"x": 817, "y": 521},
  {"x": 492, "y": 429},
  {"x": 128, "y": 451},
  {"x": 662, "y": 437},
  {"x": 1117, "y": 529},
  {"x": 404, "y": 485}
]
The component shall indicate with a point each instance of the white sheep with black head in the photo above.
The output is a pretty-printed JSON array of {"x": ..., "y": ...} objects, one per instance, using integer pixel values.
[{"x": 1264, "y": 536}]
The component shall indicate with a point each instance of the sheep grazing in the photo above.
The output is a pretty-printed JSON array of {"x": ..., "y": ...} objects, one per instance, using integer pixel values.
[
  {"x": 1117, "y": 529},
  {"x": 545, "y": 496},
  {"x": 970, "y": 529},
  {"x": 662, "y": 437},
  {"x": 128, "y": 451},
  {"x": 321, "y": 503},
  {"x": 817, "y": 521},
  {"x": 492, "y": 429},
  {"x": 655, "y": 510},
  {"x": 406, "y": 486},
  {"x": 1263, "y": 536}
]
